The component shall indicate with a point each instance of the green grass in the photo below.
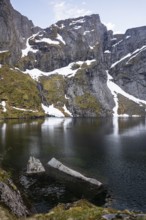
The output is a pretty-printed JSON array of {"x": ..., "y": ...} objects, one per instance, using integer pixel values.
[
  {"x": 80, "y": 210},
  {"x": 54, "y": 89},
  {"x": 18, "y": 90},
  {"x": 126, "y": 106},
  {"x": 88, "y": 102}
]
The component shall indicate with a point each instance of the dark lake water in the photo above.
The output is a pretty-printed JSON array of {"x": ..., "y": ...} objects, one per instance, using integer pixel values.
[{"x": 111, "y": 150}]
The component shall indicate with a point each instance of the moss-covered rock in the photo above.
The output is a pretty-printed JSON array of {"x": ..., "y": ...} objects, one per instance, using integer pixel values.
[
  {"x": 5, "y": 214},
  {"x": 4, "y": 57},
  {"x": 10, "y": 198},
  {"x": 54, "y": 90},
  {"x": 127, "y": 106},
  {"x": 20, "y": 94},
  {"x": 83, "y": 210},
  {"x": 88, "y": 102}
]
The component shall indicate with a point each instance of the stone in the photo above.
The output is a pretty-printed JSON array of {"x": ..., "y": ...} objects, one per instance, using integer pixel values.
[
  {"x": 58, "y": 165},
  {"x": 10, "y": 196},
  {"x": 34, "y": 166},
  {"x": 80, "y": 185}
]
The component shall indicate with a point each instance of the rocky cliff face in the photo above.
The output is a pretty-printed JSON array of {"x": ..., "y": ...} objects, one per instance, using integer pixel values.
[
  {"x": 72, "y": 64},
  {"x": 14, "y": 30}
]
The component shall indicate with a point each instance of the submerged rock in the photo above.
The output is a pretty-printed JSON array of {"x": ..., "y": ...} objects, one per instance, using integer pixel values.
[
  {"x": 79, "y": 184},
  {"x": 34, "y": 166},
  {"x": 58, "y": 165}
]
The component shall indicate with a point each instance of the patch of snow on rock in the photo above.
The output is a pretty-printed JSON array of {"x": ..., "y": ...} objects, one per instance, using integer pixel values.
[
  {"x": 77, "y": 27},
  {"x": 28, "y": 47},
  {"x": 119, "y": 61},
  {"x": 136, "y": 53},
  {"x": 48, "y": 41},
  {"x": 107, "y": 51},
  {"x": 77, "y": 21},
  {"x": 60, "y": 38},
  {"x": 25, "y": 110},
  {"x": 52, "y": 111},
  {"x": 67, "y": 111},
  {"x": 117, "y": 43},
  {"x": 3, "y": 104},
  {"x": 64, "y": 71},
  {"x": 66, "y": 97},
  {"x": 4, "y": 51},
  {"x": 115, "y": 90},
  {"x": 34, "y": 73},
  {"x": 127, "y": 37}
]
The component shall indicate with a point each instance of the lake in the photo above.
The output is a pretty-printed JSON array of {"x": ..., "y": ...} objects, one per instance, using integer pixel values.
[{"x": 112, "y": 150}]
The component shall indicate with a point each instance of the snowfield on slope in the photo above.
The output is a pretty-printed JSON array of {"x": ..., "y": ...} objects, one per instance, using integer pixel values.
[
  {"x": 115, "y": 90},
  {"x": 64, "y": 71}
]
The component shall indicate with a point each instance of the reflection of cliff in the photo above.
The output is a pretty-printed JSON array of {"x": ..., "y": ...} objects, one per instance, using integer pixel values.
[{"x": 128, "y": 126}]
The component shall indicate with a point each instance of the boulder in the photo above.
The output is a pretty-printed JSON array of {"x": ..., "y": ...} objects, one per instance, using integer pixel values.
[
  {"x": 34, "y": 166},
  {"x": 79, "y": 184},
  {"x": 10, "y": 196},
  {"x": 58, "y": 165}
]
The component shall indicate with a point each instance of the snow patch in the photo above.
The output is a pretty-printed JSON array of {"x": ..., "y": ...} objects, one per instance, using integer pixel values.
[
  {"x": 48, "y": 41},
  {"x": 117, "y": 43},
  {"x": 66, "y": 97},
  {"x": 119, "y": 61},
  {"x": 60, "y": 38},
  {"x": 3, "y": 104},
  {"x": 52, "y": 111},
  {"x": 136, "y": 53},
  {"x": 62, "y": 26},
  {"x": 67, "y": 111},
  {"x": 64, "y": 71},
  {"x": 113, "y": 39},
  {"x": 77, "y": 27},
  {"x": 4, "y": 51},
  {"x": 34, "y": 73},
  {"x": 76, "y": 22},
  {"x": 28, "y": 47},
  {"x": 88, "y": 32},
  {"x": 115, "y": 90},
  {"x": 25, "y": 110},
  {"x": 127, "y": 37},
  {"x": 91, "y": 47},
  {"x": 107, "y": 51}
]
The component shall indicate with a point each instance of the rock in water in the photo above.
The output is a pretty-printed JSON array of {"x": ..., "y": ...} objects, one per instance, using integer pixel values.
[
  {"x": 58, "y": 165},
  {"x": 34, "y": 166},
  {"x": 80, "y": 185}
]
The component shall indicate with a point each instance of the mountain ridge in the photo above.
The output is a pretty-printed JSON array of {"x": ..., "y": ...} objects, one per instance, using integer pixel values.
[{"x": 75, "y": 64}]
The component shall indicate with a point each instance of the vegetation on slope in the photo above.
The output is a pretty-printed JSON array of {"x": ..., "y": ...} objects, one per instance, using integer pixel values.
[
  {"x": 129, "y": 107},
  {"x": 20, "y": 91}
]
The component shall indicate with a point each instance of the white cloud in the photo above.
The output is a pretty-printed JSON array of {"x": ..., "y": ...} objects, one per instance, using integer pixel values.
[
  {"x": 110, "y": 26},
  {"x": 84, "y": 3},
  {"x": 63, "y": 10}
]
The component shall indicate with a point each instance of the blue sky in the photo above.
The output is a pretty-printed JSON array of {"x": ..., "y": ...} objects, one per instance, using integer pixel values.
[{"x": 118, "y": 15}]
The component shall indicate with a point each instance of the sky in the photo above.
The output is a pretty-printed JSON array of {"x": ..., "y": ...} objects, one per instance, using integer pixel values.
[{"x": 118, "y": 15}]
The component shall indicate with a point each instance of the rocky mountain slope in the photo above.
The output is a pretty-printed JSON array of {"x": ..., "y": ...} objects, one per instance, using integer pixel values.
[{"x": 76, "y": 66}]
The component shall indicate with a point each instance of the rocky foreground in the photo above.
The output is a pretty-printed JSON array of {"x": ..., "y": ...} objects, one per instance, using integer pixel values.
[
  {"x": 12, "y": 206},
  {"x": 80, "y": 210}
]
